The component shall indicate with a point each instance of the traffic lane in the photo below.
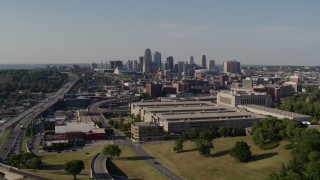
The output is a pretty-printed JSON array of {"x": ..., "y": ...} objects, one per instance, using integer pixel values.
[
  {"x": 153, "y": 162},
  {"x": 100, "y": 168}
]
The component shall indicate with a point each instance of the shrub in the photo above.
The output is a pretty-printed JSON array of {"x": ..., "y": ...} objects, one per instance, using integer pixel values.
[{"x": 241, "y": 151}]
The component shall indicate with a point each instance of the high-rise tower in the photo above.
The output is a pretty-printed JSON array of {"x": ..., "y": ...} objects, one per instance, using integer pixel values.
[
  {"x": 147, "y": 59},
  {"x": 212, "y": 64},
  {"x": 170, "y": 62},
  {"x": 204, "y": 62},
  {"x": 157, "y": 59},
  {"x": 191, "y": 60}
]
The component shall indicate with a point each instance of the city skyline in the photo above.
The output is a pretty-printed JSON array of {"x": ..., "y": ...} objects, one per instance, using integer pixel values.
[{"x": 266, "y": 33}]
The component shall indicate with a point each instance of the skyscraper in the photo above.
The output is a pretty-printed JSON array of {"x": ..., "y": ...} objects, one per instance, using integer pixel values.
[
  {"x": 157, "y": 59},
  {"x": 211, "y": 64},
  {"x": 180, "y": 67},
  {"x": 170, "y": 62},
  {"x": 231, "y": 66},
  {"x": 140, "y": 64},
  {"x": 191, "y": 60},
  {"x": 147, "y": 61},
  {"x": 204, "y": 62}
]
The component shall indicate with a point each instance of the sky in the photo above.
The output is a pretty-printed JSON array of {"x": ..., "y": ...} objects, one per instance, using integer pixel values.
[{"x": 259, "y": 32}]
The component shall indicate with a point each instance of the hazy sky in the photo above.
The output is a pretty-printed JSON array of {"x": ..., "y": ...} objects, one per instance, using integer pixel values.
[{"x": 281, "y": 32}]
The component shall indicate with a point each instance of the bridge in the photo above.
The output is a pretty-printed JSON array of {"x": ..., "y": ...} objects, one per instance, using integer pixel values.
[{"x": 112, "y": 105}]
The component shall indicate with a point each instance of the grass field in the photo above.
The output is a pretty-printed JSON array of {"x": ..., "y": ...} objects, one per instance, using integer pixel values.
[
  {"x": 55, "y": 162},
  {"x": 135, "y": 167},
  {"x": 220, "y": 165},
  {"x": 4, "y": 135},
  {"x": 25, "y": 140}
]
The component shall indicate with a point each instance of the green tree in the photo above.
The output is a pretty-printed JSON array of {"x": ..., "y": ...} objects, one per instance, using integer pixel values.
[
  {"x": 74, "y": 167},
  {"x": 224, "y": 131},
  {"x": 241, "y": 151},
  {"x": 34, "y": 163},
  {"x": 178, "y": 146},
  {"x": 204, "y": 147},
  {"x": 312, "y": 170},
  {"x": 15, "y": 160},
  {"x": 111, "y": 150},
  {"x": 193, "y": 135}
]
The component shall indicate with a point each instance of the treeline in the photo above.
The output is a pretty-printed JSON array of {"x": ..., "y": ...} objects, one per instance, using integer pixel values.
[
  {"x": 305, "y": 161},
  {"x": 26, "y": 160},
  {"x": 33, "y": 80},
  {"x": 267, "y": 132},
  {"x": 304, "y": 103}
]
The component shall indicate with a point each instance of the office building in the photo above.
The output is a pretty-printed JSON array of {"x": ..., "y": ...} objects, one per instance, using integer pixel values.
[
  {"x": 170, "y": 62},
  {"x": 231, "y": 67},
  {"x": 154, "y": 90},
  {"x": 178, "y": 117},
  {"x": 146, "y": 132},
  {"x": 115, "y": 64},
  {"x": 204, "y": 62},
  {"x": 237, "y": 98},
  {"x": 212, "y": 64},
  {"x": 180, "y": 67},
  {"x": 191, "y": 60},
  {"x": 147, "y": 61},
  {"x": 140, "y": 64},
  {"x": 157, "y": 60}
]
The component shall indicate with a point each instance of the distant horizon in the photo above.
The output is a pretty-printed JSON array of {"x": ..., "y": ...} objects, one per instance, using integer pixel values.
[{"x": 81, "y": 31}]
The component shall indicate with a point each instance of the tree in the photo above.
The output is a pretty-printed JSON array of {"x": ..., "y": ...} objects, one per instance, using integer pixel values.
[
  {"x": 204, "y": 147},
  {"x": 111, "y": 150},
  {"x": 34, "y": 163},
  {"x": 193, "y": 134},
  {"x": 74, "y": 167},
  {"x": 178, "y": 146},
  {"x": 15, "y": 160},
  {"x": 241, "y": 151},
  {"x": 313, "y": 170},
  {"x": 224, "y": 131},
  {"x": 108, "y": 131}
]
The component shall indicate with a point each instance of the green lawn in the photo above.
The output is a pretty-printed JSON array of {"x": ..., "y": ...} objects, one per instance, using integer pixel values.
[
  {"x": 25, "y": 140},
  {"x": 220, "y": 165},
  {"x": 55, "y": 162},
  {"x": 4, "y": 135},
  {"x": 135, "y": 167}
]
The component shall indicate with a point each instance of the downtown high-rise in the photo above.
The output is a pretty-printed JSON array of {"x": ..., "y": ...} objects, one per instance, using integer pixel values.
[
  {"x": 147, "y": 61},
  {"x": 204, "y": 62}
]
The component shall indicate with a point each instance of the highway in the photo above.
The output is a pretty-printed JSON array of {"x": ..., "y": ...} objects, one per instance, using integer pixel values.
[{"x": 18, "y": 124}]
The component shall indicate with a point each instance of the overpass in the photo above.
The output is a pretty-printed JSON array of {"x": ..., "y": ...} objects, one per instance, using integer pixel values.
[{"x": 111, "y": 105}]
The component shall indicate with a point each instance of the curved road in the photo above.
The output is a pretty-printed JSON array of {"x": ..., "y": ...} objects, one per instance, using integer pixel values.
[{"x": 100, "y": 171}]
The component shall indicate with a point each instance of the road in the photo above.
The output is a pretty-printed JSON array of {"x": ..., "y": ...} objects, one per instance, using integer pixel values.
[
  {"x": 14, "y": 141},
  {"x": 99, "y": 168},
  {"x": 120, "y": 139}
]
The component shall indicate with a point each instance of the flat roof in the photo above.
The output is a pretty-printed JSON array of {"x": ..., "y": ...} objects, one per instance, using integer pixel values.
[
  {"x": 275, "y": 111},
  {"x": 76, "y": 126},
  {"x": 168, "y": 103},
  {"x": 206, "y": 115},
  {"x": 183, "y": 108}
]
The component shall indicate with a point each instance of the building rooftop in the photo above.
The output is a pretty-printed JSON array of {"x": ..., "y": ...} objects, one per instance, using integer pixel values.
[
  {"x": 275, "y": 111},
  {"x": 207, "y": 115},
  {"x": 166, "y": 103},
  {"x": 85, "y": 127}
]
